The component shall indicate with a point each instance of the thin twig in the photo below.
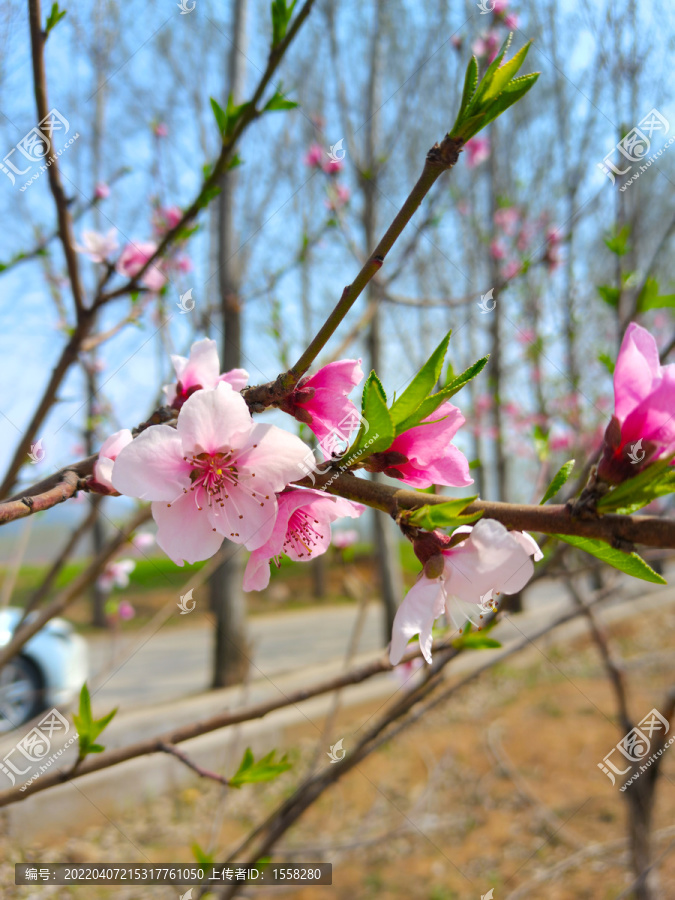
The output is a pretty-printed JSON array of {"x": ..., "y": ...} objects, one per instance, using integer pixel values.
[{"x": 184, "y": 758}]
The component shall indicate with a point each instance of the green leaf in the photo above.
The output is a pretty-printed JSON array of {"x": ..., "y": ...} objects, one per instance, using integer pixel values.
[
  {"x": 53, "y": 18},
  {"x": 657, "y": 480},
  {"x": 630, "y": 563},
  {"x": 650, "y": 299},
  {"x": 201, "y": 856},
  {"x": 560, "y": 478},
  {"x": 475, "y": 640},
  {"x": 279, "y": 102},
  {"x": 506, "y": 72},
  {"x": 610, "y": 294},
  {"x": 377, "y": 430},
  {"x": 498, "y": 90},
  {"x": 470, "y": 82},
  {"x": 220, "y": 114},
  {"x": 418, "y": 389},
  {"x": 281, "y": 16},
  {"x": 265, "y": 769},
  {"x": 88, "y": 728},
  {"x": 607, "y": 362},
  {"x": 208, "y": 195},
  {"x": 444, "y": 515},
  {"x": 431, "y": 404},
  {"x": 227, "y": 118},
  {"x": 618, "y": 242}
]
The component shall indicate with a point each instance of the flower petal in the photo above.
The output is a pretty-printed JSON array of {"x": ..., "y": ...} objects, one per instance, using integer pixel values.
[
  {"x": 274, "y": 455},
  {"x": 214, "y": 420},
  {"x": 183, "y": 532},
  {"x": 152, "y": 467},
  {"x": 421, "y": 606}
]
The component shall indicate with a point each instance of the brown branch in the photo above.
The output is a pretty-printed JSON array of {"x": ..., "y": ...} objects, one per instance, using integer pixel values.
[
  {"x": 184, "y": 758},
  {"x": 28, "y": 504},
  {"x": 553, "y": 519},
  {"x": 226, "y": 154},
  {"x": 291, "y": 810},
  {"x": 37, "y": 39}
]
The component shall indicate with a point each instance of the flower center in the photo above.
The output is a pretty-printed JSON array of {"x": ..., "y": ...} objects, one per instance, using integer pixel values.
[{"x": 302, "y": 535}]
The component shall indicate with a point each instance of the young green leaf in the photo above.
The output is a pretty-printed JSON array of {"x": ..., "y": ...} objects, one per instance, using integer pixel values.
[
  {"x": 618, "y": 242},
  {"x": 444, "y": 515},
  {"x": 609, "y": 294},
  {"x": 560, "y": 478},
  {"x": 377, "y": 430},
  {"x": 88, "y": 728},
  {"x": 281, "y": 16},
  {"x": 475, "y": 640},
  {"x": 53, "y": 18},
  {"x": 470, "y": 82},
  {"x": 607, "y": 362},
  {"x": 278, "y": 102},
  {"x": 541, "y": 443},
  {"x": 651, "y": 299},
  {"x": 265, "y": 769},
  {"x": 220, "y": 114},
  {"x": 657, "y": 480},
  {"x": 630, "y": 563},
  {"x": 431, "y": 404},
  {"x": 419, "y": 388}
]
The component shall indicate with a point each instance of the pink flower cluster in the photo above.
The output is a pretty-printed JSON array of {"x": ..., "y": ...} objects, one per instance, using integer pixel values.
[
  {"x": 642, "y": 428},
  {"x": 338, "y": 194}
]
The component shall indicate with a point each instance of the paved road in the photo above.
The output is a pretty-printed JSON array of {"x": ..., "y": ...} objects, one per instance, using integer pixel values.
[{"x": 175, "y": 661}]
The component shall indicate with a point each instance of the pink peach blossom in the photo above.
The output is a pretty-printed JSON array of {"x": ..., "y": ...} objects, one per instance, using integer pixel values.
[
  {"x": 321, "y": 401},
  {"x": 489, "y": 562},
  {"x": 507, "y": 218},
  {"x": 107, "y": 455},
  {"x": 314, "y": 156},
  {"x": 345, "y": 538},
  {"x": 133, "y": 258},
  {"x": 423, "y": 455},
  {"x": 98, "y": 247},
  {"x": 214, "y": 476},
  {"x": 160, "y": 130},
  {"x": 164, "y": 219},
  {"x": 116, "y": 574},
  {"x": 478, "y": 150},
  {"x": 487, "y": 45},
  {"x": 511, "y": 21},
  {"x": 512, "y": 268},
  {"x": 301, "y": 531},
  {"x": 497, "y": 250},
  {"x": 198, "y": 371},
  {"x": 332, "y": 166},
  {"x": 102, "y": 191},
  {"x": 125, "y": 611},
  {"x": 644, "y": 400}
]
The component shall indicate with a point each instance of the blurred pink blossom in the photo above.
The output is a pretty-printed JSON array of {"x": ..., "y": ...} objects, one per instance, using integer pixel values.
[
  {"x": 497, "y": 250},
  {"x": 132, "y": 260},
  {"x": 478, "y": 150},
  {"x": 511, "y": 21},
  {"x": 345, "y": 538},
  {"x": 512, "y": 268},
  {"x": 526, "y": 336},
  {"x": 98, "y": 247},
  {"x": 164, "y": 219},
  {"x": 116, "y": 574},
  {"x": 102, "y": 191},
  {"x": 487, "y": 45},
  {"x": 160, "y": 130},
  {"x": 507, "y": 218},
  {"x": 125, "y": 611},
  {"x": 314, "y": 156},
  {"x": 143, "y": 540}
]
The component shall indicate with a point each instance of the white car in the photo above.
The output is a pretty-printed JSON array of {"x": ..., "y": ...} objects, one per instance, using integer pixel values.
[{"x": 49, "y": 670}]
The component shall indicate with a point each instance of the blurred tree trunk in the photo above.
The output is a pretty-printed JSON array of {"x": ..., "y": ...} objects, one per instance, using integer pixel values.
[
  {"x": 386, "y": 546},
  {"x": 495, "y": 373},
  {"x": 101, "y": 51},
  {"x": 228, "y": 602}
]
